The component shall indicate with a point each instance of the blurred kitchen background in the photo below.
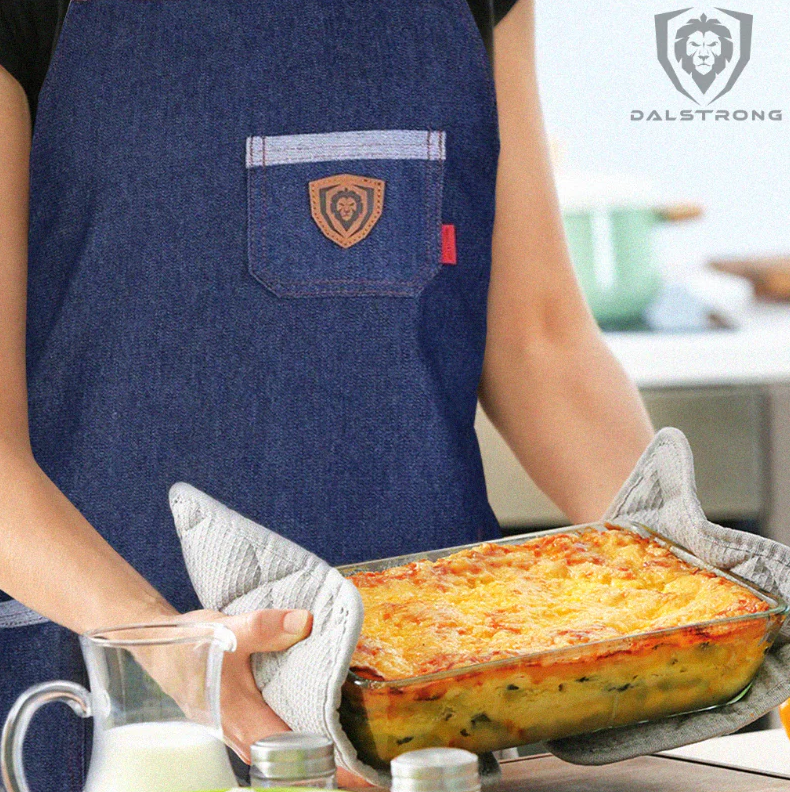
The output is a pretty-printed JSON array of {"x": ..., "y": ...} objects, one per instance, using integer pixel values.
[{"x": 648, "y": 206}]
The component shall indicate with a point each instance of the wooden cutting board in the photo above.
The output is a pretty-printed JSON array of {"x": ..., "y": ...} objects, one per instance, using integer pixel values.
[
  {"x": 546, "y": 773},
  {"x": 770, "y": 274}
]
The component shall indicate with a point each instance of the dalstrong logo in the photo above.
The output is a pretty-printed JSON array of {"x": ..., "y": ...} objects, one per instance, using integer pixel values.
[
  {"x": 346, "y": 207},
  {"x": 704, "y": 52}
]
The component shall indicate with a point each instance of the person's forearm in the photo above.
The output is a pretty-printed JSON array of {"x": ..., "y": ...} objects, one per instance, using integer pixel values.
[
  {"x": 53, "y": 561},
  {"x": 549, "y": 384},
  {"x": 572, "y": 417}
]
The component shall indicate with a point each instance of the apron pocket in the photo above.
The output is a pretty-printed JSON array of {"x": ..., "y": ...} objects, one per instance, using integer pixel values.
[{"x": 345, "y": 214}]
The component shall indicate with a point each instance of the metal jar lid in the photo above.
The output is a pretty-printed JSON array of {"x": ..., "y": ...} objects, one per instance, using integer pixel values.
[
  {"x": 293, "y": 756},
  {"x": 436, "y": 770}
]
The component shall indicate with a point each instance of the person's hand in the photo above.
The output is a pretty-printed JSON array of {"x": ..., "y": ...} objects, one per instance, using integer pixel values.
[
  {"x": 245, "y": 716},
  {"x": 347, "y": 780}
]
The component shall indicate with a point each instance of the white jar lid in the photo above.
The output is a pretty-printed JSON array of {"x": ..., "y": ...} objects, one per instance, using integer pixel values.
[
  {"x": 293, "y": 756},
  {"x": 436, "y": 770}
]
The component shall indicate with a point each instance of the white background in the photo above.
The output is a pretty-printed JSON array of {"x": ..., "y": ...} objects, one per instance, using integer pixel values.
[{"x": 597, "y": 62}]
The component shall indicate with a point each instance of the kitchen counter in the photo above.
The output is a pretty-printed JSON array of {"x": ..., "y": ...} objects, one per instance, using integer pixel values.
[
  {"x": 752, "y": 363},
  {"x": 764, "y": 751},
  {"x": 645, "y": 774},
  {"x": 757, "y": 352},
  {"x": 546, "y": 773},
  {"x": 728, "y": 390}
]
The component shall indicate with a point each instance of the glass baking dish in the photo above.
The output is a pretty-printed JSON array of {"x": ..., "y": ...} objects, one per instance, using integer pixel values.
[{"x": 560, "y": 692}]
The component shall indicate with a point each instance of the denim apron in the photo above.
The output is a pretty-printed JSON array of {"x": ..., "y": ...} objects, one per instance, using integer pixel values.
[{"x": 259, "y": 260}]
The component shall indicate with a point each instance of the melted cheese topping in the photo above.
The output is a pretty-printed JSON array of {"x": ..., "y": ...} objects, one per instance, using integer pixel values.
[{"x": 497, "y": 601}]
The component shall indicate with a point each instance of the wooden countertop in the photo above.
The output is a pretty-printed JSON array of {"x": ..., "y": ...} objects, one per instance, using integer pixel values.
[
  {"x": 546, "y": 773},
  {"x": 661, "y": 773},
  {"x": 766, "y": 751}
]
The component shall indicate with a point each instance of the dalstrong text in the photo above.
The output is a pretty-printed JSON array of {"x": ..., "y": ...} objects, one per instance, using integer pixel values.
[{"x": 705, "y": 115}]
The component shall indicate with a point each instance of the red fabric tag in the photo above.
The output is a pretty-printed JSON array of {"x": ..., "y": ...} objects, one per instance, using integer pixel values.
[{"x": 448, "y": 244}]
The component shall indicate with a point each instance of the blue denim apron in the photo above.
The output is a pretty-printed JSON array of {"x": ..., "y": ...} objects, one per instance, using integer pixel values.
[{"x": 238, "y": 279}]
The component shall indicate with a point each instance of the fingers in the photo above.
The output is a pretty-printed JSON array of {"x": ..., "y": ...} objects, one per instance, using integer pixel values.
[
  {"x": 245, "y": 716},
  {"x": 347, "y": 780},
  {"x": 269, "y": 630},
  {"x": 249, "y": 719}
]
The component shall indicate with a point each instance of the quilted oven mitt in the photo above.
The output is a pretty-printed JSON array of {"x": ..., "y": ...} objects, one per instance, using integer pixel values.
[
  {"x": 661, "y": 493},
  {"x": 237, "y": 566}
]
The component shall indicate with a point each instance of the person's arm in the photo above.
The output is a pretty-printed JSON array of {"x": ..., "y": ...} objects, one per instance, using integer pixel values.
[
  {"x": 51, "y": 558},
  {"x": 550, "y": 385}
]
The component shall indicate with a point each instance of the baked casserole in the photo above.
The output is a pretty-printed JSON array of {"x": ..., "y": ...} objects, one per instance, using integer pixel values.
[{"x": 508, "y": 643}]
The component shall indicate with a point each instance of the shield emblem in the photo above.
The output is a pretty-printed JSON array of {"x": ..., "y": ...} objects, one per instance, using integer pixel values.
[
  {"x": 346, "y": 207},
  {"x": 704, "y": 54}
]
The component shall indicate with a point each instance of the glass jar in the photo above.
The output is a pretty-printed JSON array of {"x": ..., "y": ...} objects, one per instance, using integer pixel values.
[
  {"x": 436, "y": 770},
  {"x": 293, "y": 760}
]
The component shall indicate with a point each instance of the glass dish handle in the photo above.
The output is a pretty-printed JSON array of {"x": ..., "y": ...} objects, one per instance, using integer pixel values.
[{"x": 18, "y": 720}]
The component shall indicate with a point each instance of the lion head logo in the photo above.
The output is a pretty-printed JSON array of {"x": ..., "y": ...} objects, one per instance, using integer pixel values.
[
  {"x": 346, "y": 206},
  {"x": 703, "y": 47}
]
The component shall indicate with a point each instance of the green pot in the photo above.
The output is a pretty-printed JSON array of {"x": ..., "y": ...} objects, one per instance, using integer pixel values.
[{"x": 612, "y": 255}]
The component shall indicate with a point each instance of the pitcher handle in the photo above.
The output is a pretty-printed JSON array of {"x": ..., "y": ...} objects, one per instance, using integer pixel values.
[{"x": 18, "y": 720}]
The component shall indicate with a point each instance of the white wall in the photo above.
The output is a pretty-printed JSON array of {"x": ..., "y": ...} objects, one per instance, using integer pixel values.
[{"x": 597, "y": 62}]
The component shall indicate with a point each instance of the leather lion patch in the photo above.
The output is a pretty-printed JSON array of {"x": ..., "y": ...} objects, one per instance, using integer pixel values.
[{"x": 346, "y": 207}]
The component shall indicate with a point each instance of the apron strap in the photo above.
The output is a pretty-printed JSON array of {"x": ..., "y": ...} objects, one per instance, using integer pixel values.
[{"x": 15, "y": 614}]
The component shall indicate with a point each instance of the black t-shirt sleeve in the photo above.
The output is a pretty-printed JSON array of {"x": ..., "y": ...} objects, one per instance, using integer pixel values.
[
  {"x": 501, "y": 7},
  {"x": 11, "y": 56},
  {"x": 28, "y": 34}
]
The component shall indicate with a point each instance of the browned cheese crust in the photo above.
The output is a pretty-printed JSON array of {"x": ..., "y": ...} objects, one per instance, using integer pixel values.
[{"x": 497, "y": 601}]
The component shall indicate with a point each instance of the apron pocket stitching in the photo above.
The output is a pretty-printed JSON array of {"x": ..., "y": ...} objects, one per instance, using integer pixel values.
[{"x": 299, "y": 158}]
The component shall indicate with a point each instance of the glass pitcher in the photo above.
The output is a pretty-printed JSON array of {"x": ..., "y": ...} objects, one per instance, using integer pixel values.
[{"x": 154, "y": 699}]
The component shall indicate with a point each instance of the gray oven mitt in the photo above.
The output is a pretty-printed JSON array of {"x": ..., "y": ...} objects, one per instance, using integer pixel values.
[
  {"x": 238, "y": 566},
  {"x": 661, "y": 493}
]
